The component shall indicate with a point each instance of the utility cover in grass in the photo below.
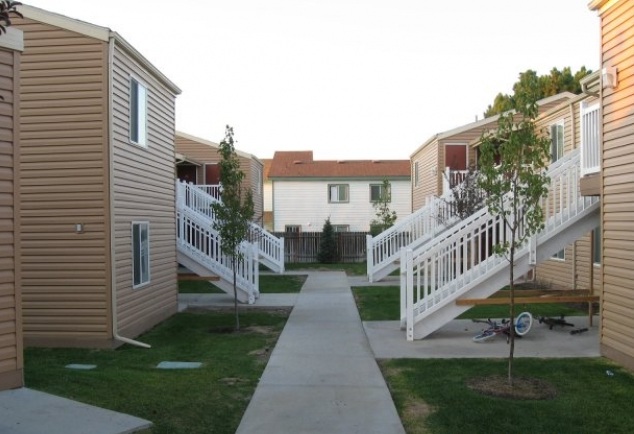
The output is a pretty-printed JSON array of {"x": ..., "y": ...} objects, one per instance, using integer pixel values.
[
  {"x": 179, "y": 365},
  {"x": 81, "y": 366}
]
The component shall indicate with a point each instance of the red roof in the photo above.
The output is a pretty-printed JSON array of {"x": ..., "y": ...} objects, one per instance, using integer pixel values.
[{"x": 300, "y": 164}]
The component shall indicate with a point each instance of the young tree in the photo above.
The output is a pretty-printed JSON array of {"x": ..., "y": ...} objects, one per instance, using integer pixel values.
[
  {"x": 385, "y": 216},
  {"x": 517, "y": 183},
  {"x": 328, "y": 245},
  {"x": 235, "y": 211}
]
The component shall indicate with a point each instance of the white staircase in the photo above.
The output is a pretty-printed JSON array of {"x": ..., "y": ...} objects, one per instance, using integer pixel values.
[
  {"x": 460, "y": 261},
  {"x": 384, "y": 250},
  {"x": 198, "y": 245}
]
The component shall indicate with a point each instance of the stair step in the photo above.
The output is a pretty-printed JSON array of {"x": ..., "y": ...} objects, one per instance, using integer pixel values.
[{"x": 192, "y": 276}]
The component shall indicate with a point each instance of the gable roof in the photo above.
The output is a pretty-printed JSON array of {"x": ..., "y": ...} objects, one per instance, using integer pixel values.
[
  {"x": 205, "y": 142},
  {"x": 97, "y": 32},
  {"x": 544, "y": 104},
  {"x": 300, "y": 164}
]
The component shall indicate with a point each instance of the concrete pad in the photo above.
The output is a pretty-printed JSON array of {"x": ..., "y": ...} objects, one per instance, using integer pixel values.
[
  {"x": 321, "y": 409},
  {"x": 455, "y": 341},
  {"x": 80, "y": 366},
  {"x": 27, "y": 411}
]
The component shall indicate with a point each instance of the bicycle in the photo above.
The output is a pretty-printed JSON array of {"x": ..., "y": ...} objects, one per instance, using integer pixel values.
[{"x": 523, "y": 324}]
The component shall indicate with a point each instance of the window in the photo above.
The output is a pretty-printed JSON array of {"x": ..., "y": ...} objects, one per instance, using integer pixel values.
[
  {"x": 377, "y": 192},
  {"x": 138, "y": 112},
  {"x": 596, "y": 245},
  {"x": 140, "y": 253},
  {"x": 338, "y": 193},
  {"x": 340, "y": 228},
  {"x": 293, "y": 229},
  {"x": 557, "y": 141},
  {"x": 416, "y": 173},
  {"x": 561, "y": 255}
]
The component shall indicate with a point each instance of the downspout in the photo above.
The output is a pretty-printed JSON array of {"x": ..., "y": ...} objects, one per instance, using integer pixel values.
[
  {"x": 573, "y": 136},
  {"x": 113, "y": 272}
]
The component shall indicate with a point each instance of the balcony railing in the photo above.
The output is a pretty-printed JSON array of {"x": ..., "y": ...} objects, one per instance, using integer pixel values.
[{"x": 590, "y": 139}]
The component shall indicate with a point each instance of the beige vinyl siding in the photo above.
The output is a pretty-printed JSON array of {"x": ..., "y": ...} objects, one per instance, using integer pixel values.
[
  {"x": 143, "y": 190},
  {"x": 11, "y": 359},
  {"x": 617, "y": 308},
  {"x": 63, "y": 181},
  {"x": 205, "y": 154},
  {"x": 428, "y": 172}
]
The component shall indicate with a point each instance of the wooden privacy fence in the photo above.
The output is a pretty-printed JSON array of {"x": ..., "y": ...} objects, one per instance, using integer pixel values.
[{"x": 303, "y": 247}]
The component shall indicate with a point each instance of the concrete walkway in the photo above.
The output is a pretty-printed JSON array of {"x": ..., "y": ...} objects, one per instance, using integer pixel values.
[
  {"x": 322, "y": 376},
  {"x": 27, "y": 411}
]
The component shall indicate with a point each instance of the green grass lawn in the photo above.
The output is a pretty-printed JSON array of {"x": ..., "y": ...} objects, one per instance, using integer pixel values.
[
  {"x": 207, "y": 400},
  {"x": 382, "y": 303},
  {"x": 351, "y": 269},
  {"x": 432, "y": 397},
  {"x": 268, "y": 284}
]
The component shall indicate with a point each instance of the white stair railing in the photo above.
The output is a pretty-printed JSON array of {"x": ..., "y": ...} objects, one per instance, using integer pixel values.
[
  {"x": 200, "y": 242},
  {"x": 200, "y": 199},
  {"x": 384, "y": 249},
  {"x": 455, "y": 261}
]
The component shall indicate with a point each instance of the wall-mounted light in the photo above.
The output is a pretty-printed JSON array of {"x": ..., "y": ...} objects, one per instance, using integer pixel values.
[
  {"x": 609, "y": 77},
  {"x": 79, "y": 228}
]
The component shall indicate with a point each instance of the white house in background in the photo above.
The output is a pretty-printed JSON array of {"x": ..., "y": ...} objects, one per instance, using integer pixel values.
[{"x": 306, "y": 192}]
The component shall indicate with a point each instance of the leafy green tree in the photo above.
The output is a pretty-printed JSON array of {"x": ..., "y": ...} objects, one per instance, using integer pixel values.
[
  {"x": 7, "y": 10},
  {"x": 235, "y": 211},
  {"x": 516, "y": 185},
  {"x": 549, "y": 84},
  {"x": 328, "y": 244},
  {"x": 386, "y": 217}
]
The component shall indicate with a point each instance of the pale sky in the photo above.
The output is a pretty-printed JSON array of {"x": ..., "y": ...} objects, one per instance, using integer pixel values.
[{"x": 347, "y": 79}]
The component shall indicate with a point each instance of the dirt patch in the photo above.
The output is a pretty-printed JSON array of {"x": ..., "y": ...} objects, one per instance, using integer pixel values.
[
  {"x": 523, "y": 388},
  {"x": 414, "y": 414},
  {"x": 263, "y": 330},
  {"x": 232, "y": 381},
  {"x": 262, "y": 354}
]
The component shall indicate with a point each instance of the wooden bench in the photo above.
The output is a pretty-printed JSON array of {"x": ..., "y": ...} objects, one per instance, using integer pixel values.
[
  {"x": 191, "y": 276},
  {"x": 535, "y": 297}
]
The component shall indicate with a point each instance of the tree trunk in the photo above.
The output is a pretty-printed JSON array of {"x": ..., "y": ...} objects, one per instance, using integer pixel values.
[{"x": 511, "y": 307}]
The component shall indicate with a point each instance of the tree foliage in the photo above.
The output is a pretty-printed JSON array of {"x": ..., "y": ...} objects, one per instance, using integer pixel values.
[
  {"x": 8, "y": 10},
  {"x": 549, "y": 84},
  {"x": 512, "y": 162},
  {"x": 328, "y": 245},
  {"x": 386, "y": 217},
  {"x": 234, "y": 213}
]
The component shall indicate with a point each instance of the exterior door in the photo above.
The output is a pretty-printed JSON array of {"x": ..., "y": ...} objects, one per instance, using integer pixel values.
[
  {"x": 212, "y": 174},
  {"x": 186, "y": 172},
  {"x": 456, "y": 157}
]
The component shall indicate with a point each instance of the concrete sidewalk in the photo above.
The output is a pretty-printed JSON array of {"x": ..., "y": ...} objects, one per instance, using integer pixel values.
[
  {"x": 322, "y": 376},
  {"x": 27, "y": 411}
]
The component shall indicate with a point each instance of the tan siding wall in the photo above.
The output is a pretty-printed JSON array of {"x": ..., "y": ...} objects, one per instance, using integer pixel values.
[
  {"x": 428, "y": 164},
  {"x": 144, "y": 191},
  {"x": 617, "y": 337},
  {"x": 11, "y": 360},
  {"x": 63, "y": 182},
  {"x": 203, "y": 153}
]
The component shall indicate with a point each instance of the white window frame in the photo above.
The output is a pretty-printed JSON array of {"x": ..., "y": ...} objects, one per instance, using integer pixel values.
[
  {"x": 416, "y": 173},
  {"x": 138, "y": 112},
  {"x": 380, "y": 187},
  {"x": 140, "y": 254},
  {"x": 560, "y": 255},
  {"x": 338, "y": 187},
  {"x": 341, "y": 228},
  {"x": 596, "y": 245},
  {"x": 560, "y": 147},
  {"x": 590, "y": 132}
]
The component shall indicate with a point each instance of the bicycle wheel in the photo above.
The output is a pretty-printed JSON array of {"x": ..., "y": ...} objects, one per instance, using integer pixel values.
[
  {"x": 485, "y": 335},
  {"x": 523, "y": 323}
]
